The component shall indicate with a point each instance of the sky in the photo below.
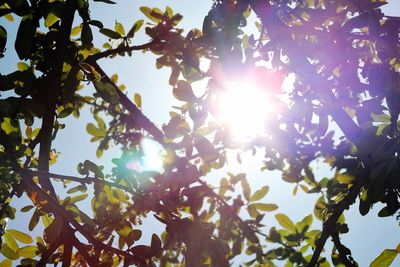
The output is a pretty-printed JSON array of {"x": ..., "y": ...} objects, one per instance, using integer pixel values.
[{"x": 140, "y": 75}]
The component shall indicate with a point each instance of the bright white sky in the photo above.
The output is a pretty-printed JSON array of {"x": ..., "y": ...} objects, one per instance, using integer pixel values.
[{"x": 368, "y": 235}]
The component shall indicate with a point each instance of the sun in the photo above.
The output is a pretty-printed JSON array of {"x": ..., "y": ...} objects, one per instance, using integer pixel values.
[{"x": 244, "y": 108}]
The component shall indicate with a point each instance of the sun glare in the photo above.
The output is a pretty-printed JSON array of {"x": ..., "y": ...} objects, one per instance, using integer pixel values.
[
  {"x": 152, "y": 159},
  {"x": 245, "y": 108}
]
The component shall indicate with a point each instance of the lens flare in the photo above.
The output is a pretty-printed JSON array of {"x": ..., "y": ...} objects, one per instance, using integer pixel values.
[
  {"x": 152, "y": 159},
  {"x": 244, "y": 108}
]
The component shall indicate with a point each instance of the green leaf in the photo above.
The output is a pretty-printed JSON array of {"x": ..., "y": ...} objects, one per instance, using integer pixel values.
[
  {"x": 285, "y": 222},
  {"x": 344, "y": 178},
  {"x": 385, "y": 258},
  {"x": 106, "y": 91},
  {"x": 25, "y": 37},
  {"x": 8, "y": 252},
  {"x": 28, "y": 252},
  {"x": 77, "y": 198},
  {"x": 265, "y": 206},
  {"x": 259, "y": 194},
  {"x": 10, "y": 241},
  {"x": 119, "y": 28},
  {"x": 76, "y": 30},
  {"x": 81, "y": 188},
  {"x": 93, "y": 130},
  {"x": 151, "y": 13},
  {"x": 6, "y": 263},
  {"x": 135, "y": 28},
  {"x": 183, "y": 92},
  {"x": 51, "y": 18},
  {"x": 110, "y": 33},
  {"x": 305, "y": 223},
  {"x": 20, "y": 236}
]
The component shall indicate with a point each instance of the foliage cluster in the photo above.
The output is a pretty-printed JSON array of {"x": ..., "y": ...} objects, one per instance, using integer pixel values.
[{"x": 344, "y": 56}]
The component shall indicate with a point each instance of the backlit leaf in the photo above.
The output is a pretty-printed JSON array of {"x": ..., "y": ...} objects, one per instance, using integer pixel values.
[
  {"x": 259, "y": 194},
  {"x": 20, "y": 236},
  {"x": 106, "y": 91},
  {"x": 285, "y": 222},
  {"x": 265, "y": 206},
  {"x": 28, "y": 252},
  {"x": 385, "y": 258}
]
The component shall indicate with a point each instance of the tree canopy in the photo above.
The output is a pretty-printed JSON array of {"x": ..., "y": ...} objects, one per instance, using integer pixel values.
[{"x": 341, "y": 60}]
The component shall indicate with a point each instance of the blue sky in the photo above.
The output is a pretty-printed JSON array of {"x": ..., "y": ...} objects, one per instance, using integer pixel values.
[{"x": 368, "y": 235}]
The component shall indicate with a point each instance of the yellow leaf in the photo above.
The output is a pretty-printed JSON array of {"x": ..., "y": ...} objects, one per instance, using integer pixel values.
[
  {"x": 20, "y": 236},
  {"x": 6, "y": 263},
  {"x": 138, "y": 100}
]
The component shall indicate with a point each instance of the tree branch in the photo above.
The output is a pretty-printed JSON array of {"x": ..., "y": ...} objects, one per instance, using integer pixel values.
[
  {"x": 84, "y": 180},
  {"x": 135, "y": 112},
  {"x": 60, "y": 211},
  {"x": 107, "y": 53}
]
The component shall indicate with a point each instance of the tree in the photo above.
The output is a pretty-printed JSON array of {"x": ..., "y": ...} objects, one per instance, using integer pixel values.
[{"x": 344, "y": 57}]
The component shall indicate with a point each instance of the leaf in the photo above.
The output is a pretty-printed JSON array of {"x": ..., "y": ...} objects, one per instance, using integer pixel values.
[
  {"x": 151, "y": 13},
  {"x": 265, "y": 206},
  {"x": 27, "y": 208},
  {"x": 155, "y": 244},
  {"x": 8, "y": 252},
  {"x": 51, "y": 18},
  {"x": 28, "y": 252},
  {"x": 110, "y": 33},
  {"x": 183, "y": 91},
  {"x": 10, "y": 241},
  {"x": 105, "y": 1},
  {"x": 96, "y": 23},
  {"x": 34, "y": 220},
  {"x": 106, "y": 91},
  {"x": 246, "y": 188},
  {"x": 138, "y": 100},
  {"x": 304, "y": 224},
  {"x": 93, "y": 130},
  {"x": 385, "y": 258},
  {"x": 142, "y": 251},
  {"x": 86, "y": 34},
  {"x": 135, "y": 28},
  {"x": 3, "y": 38},
  {"x": 259, "y": 194},
  {"x": 20, "y": 236},
  {"x": 6, "y": 263},
  {"x": 119, "y": 28},
  {"x": 206, "y": 150},
  {"x": 344, "y": 178},
  {"x": 76, "y": 30},
  {"x": 53, "y": 231},
  {"x": 81, "y": 188},
  {"x": 133, "y": 236},
  {"x": 25, "y": 37},
  {"x": 380, "y": 117},
  {"x": 285, "y": 222},
  {"x": 77, "y": 198}
]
